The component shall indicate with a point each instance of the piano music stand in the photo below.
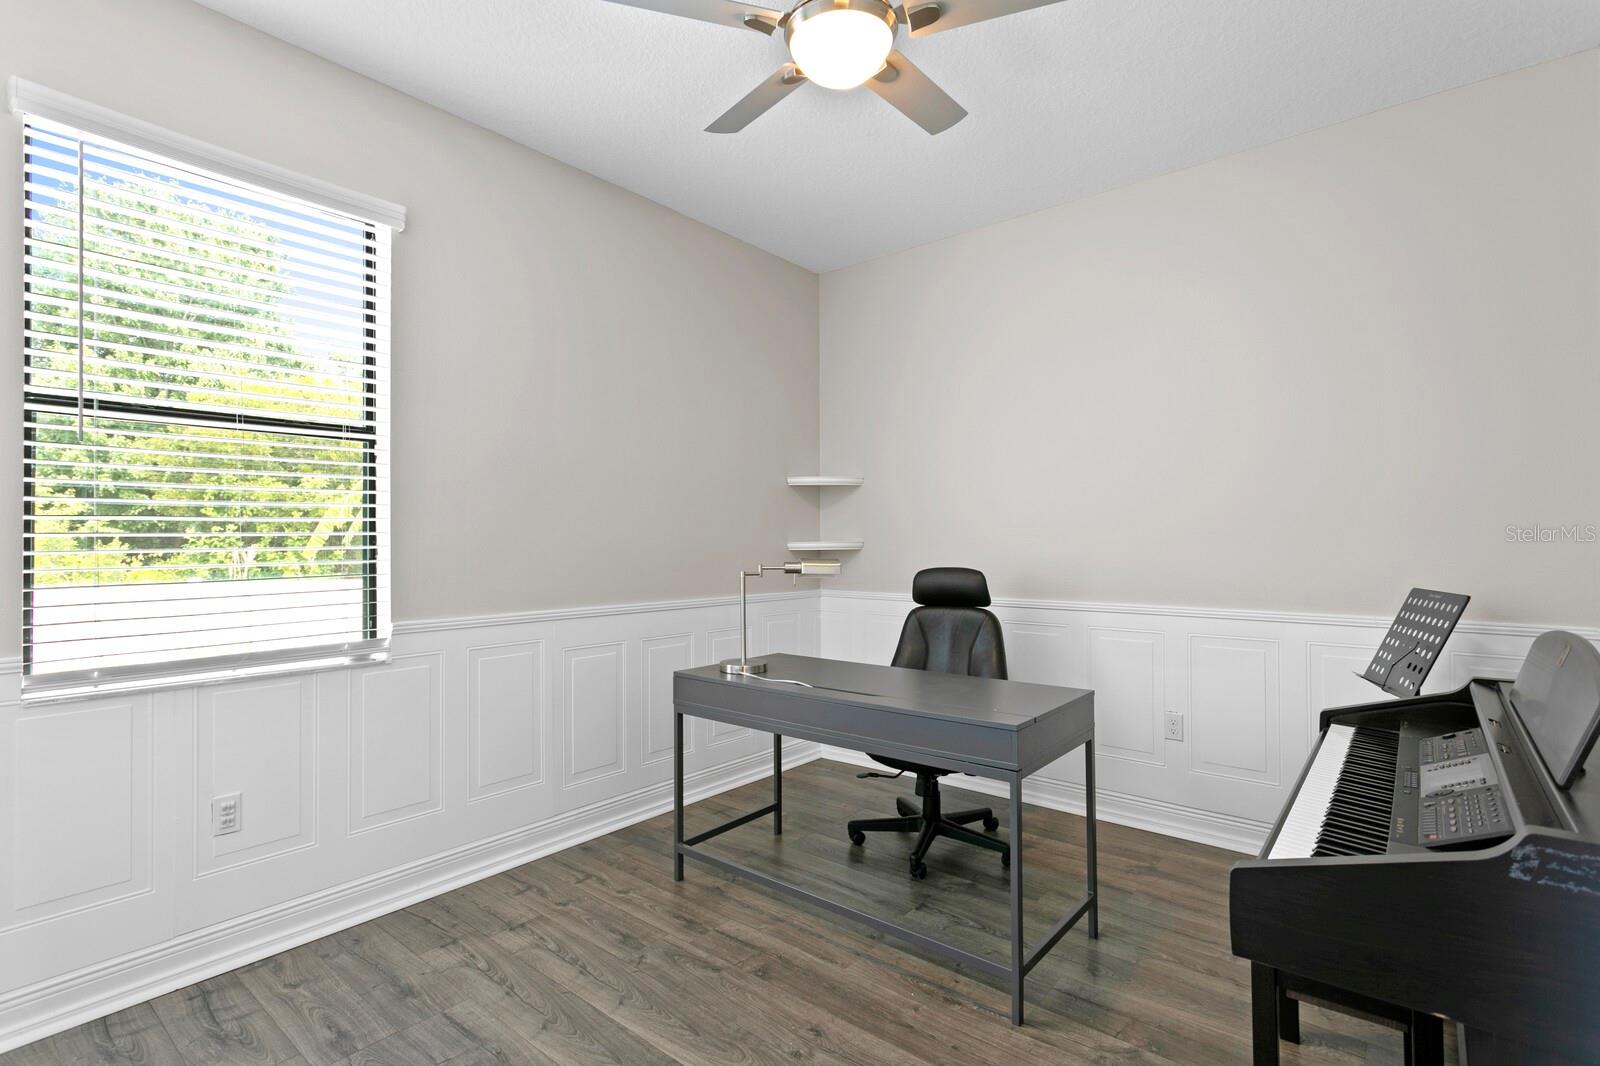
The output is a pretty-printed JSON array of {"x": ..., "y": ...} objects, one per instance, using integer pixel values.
[{"x": 1413, "y": 643}]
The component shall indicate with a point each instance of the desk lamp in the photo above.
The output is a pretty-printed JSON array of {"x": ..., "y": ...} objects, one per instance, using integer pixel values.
[{"x": 799, "y": 568}]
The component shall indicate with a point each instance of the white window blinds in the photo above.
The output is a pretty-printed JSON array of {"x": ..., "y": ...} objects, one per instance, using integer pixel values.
[{"x": 205, "y": 423}]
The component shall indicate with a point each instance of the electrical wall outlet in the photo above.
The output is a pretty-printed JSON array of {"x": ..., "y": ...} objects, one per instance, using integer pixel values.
[
  {"x": 225, "y": 814},
  {"x": 1174, "y": 727}
]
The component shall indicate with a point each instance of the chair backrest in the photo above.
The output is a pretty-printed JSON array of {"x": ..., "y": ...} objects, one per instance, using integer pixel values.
[{"x": 950, "y": 632}]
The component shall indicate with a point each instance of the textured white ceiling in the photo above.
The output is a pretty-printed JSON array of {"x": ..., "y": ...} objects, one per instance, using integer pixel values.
[{"x": 1065, "y": 101}]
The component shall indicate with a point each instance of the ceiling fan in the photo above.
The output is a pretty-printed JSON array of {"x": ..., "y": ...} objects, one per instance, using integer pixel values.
[{"x": 842, "y": 44}]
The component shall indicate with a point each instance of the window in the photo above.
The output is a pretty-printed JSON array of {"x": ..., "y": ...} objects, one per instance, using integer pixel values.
[{"x": 205, "y": 412}]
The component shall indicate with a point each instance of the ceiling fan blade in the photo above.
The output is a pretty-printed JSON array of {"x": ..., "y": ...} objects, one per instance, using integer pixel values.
[
  {"x": 758, "y": 101},
  {"x": 915, "y": 96},
  {"x": 925, "y": 17},
  {"x": 723, "y": 12}
]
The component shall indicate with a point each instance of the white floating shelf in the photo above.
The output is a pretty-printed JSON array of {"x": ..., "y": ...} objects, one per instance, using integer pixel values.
[
  {"x": 809, "y": 480},
  {"x": 825, "y": 545}
]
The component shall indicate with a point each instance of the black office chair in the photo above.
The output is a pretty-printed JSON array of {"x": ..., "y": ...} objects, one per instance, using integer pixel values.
[{"x": 949, "y": 632}]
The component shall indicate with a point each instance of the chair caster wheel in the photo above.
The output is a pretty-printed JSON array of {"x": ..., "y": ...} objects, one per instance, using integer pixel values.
[
  {"x": 857, "y": 837},
  {"x": 991, "y": 824},
  {"x": 919, "y": 870}
]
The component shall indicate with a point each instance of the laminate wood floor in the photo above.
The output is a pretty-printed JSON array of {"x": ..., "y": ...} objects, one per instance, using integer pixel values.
[{"x": 595, "y": 956}]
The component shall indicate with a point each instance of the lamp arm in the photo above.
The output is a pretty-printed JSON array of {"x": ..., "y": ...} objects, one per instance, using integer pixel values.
[
  {"x": 744, "y": 628},
  {"x": 799, "y": 568}
]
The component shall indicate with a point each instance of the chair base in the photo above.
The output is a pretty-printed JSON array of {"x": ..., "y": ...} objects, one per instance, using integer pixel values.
[{"x": 930, "y": 823}]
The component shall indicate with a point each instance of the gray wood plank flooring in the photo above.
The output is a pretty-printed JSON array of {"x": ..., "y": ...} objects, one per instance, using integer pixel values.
[{"x": 595, "y": 956}]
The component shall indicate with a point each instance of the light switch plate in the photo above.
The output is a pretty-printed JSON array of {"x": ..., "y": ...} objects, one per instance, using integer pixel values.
[
  {"x": 1174, "y": 727},
  {"x": 225, "y": 814}
]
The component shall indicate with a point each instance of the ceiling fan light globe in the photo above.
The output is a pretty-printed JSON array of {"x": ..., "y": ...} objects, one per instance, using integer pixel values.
[{"x": 840, "y": 45}]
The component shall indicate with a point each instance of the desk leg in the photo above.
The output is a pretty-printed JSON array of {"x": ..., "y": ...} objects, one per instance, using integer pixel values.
[
  {"x": 1089, "y": 841},
  {"x": 677, "y": 795},
  {"x": 1015, "y": 839},
  {"x": 777, "y": 785}
]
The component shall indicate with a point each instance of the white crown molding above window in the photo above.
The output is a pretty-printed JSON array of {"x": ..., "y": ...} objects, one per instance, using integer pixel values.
[{"x": 30, "y": 98}]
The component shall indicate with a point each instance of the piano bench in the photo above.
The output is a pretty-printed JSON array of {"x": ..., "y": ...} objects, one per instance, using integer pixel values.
[{"x": 1275, "y": 998}]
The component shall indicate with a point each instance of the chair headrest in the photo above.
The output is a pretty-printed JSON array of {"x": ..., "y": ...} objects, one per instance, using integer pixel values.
[{"x": 950, "y": 586}]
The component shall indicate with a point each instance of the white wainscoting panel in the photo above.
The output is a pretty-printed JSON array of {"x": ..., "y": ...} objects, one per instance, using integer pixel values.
[
  {"x": 1127, "y": 670},
  {"x": 877, "y": 634},
  {"x": 256, "y": 738},
  {"x": 1045, "y": 652},
  {"x": 396, "y": 741},
  {"x": 485, "y": 743},
  {"x": 88, "y": 832},
  {"x": 95, "y": 761},
  {"x": 837, "y": 639},
  {"x": 1233, "y": 708},
  {"x": 596, "y": 705},
  {"x": 662, "y": 657},
  {"x": 1333, "y": 677},
  {"x": 780, "y": 633},
  {"x": 505, "y": 712}
]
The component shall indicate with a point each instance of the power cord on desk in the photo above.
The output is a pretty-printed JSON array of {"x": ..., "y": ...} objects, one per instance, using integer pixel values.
[{"x": 804, "y": 684}]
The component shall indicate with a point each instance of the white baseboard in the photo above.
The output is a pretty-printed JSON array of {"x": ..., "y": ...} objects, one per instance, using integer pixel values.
[
  {"x": 1169, "y": 819},
  {"x": 73, "y": 998}
]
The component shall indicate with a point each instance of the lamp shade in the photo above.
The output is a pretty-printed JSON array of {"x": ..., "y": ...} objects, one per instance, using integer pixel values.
[{"x": 812, "y": 567}]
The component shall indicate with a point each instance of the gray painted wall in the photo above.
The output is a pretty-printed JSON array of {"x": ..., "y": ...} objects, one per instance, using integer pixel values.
[
  {"x": 1305, "y": 377},
  {"x": 629, "y": 425},
  {"x": 1183, "y": 392}
]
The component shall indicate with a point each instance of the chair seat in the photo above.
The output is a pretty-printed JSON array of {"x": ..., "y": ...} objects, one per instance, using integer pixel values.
[{"x": 908, "y": 767}]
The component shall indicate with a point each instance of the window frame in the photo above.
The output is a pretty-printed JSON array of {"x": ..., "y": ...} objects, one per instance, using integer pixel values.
[{"x": 376, "y": 220}]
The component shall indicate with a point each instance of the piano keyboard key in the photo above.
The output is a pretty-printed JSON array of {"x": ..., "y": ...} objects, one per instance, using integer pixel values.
[
  {"x": 1346, "y": 801},
  {"x": 1356, "y": 821},
  {"x": 1298, "y": 836}
]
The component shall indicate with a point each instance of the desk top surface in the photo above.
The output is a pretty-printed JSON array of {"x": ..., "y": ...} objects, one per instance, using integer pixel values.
[{"x": 978, "y": 701}]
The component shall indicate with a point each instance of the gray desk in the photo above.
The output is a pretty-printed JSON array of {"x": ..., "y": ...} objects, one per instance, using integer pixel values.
[{"x": 1004, "y": 730}]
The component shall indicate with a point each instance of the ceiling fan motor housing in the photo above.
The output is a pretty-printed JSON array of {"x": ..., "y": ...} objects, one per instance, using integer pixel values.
[
  {"x": 816, "y": 25},
  {"x": 811, "y": 8}
]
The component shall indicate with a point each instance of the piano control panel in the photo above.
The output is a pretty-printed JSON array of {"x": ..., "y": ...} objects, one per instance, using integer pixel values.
[{"x": 1458, "y": 790}]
